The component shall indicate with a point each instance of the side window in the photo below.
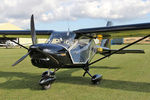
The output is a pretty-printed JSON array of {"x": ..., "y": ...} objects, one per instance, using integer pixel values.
[
  {"x": 80, "y": 51},
  {"x": 56, "y": 40}
]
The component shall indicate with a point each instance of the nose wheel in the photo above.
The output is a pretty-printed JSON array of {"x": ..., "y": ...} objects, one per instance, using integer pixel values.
[
  {"x": 48, "y": 77},
  {"x": 46, "y": 82}
]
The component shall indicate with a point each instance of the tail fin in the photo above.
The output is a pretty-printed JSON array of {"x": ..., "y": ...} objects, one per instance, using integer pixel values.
[
  {"x": 104, "y": 48},
  {"x": 109, "y": 23},
  {"x": 106, "y": 43}
]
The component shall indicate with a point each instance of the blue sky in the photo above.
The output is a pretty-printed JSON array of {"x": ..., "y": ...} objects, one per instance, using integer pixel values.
[
  {"x": 74, "y": 14},
  {"x": 86, "y": 23}
]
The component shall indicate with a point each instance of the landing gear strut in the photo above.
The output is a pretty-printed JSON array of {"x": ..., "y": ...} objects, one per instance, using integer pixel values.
[
  {"x": 48, "y": 77},
  {"x": 96, "y": 79}
]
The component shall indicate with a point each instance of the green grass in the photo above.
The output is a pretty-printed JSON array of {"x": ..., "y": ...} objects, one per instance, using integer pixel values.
[{"x": 125, "y": 77}]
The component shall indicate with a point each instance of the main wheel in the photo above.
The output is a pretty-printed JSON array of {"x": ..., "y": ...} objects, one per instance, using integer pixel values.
[
  {"x": 96, "y": 79},
  {"x": 97, "y": 82}
]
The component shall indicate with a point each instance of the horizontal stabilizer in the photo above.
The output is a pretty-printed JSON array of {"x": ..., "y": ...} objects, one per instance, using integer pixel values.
[
  {"x": 105, "y": 51},
  {"x": 128, "y": 51}
]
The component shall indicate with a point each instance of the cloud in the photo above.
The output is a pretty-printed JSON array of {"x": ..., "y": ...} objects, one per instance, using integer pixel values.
[{"x": 19, "y": 11}]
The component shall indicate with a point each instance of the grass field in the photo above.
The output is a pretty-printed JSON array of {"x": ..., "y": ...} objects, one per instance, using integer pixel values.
[{"x": 125, "y": 77}]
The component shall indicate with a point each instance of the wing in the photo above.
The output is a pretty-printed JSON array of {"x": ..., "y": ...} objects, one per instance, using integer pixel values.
[
  {"x": 24, "y": 33},
  {"x": 133, "y": 30}
]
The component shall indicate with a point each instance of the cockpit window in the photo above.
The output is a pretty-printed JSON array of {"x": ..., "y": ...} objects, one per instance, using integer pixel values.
[{"x": 62, "y": 38}]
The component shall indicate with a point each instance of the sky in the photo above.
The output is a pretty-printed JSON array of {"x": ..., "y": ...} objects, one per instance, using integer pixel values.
[{"x": 73, "y": 14}]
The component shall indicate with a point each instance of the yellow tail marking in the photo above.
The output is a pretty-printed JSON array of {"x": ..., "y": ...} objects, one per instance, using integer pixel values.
[{"x": 100, "y": 37}]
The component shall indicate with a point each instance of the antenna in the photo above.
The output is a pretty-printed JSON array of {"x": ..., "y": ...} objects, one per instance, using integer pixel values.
[
  {"x": 68, "y": 24},
  {"x": 68, "y": 32}
]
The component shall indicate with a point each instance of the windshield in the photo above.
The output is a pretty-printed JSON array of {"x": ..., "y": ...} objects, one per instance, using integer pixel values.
[{"x": 65, "y": 39}]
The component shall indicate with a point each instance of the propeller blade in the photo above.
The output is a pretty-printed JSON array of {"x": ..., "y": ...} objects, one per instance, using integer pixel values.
[
  {"x": 21, "y": 59},
  {"x": 33, "y": 33}
]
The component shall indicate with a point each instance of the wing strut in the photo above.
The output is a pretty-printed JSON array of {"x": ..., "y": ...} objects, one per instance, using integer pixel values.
[
  {"x": 119, "y": 50},
  {"x": 19, "y": 44}
]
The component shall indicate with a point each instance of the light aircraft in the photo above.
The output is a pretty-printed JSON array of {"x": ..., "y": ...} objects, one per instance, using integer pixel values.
[
  {"x": 8, "y": 44},
  {"x": 74, "y": 49}
]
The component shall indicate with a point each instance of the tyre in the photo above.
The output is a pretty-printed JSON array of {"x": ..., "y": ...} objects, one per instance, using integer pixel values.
[{"x": 96, "y": 79}]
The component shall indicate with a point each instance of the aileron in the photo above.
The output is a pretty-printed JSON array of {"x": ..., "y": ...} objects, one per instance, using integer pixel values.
[
  {"x": 24, "y": 33},
  {"x": 133, "y": 30}
]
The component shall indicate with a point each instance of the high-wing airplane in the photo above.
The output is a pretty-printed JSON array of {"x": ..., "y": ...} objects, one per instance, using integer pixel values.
[{"x": 74, "y": 49}]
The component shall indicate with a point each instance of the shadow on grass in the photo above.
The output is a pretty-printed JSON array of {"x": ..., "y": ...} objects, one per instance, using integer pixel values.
[
  {"x": 19, "y": 80},
  {"x": 106, "y": 83},
  {"x": 126, "y": 85}
]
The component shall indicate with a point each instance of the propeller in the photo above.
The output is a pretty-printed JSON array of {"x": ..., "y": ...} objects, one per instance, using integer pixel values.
[{"x": 34, "y": 41}]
